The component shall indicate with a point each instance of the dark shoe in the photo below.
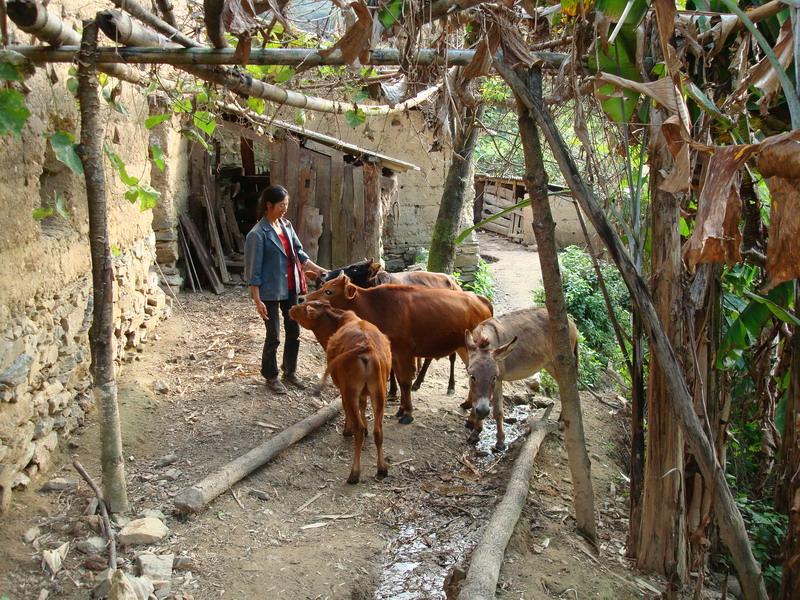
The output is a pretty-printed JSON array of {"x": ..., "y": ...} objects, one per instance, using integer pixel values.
[
  {"x": 276, "y": 386},
  {"x": 294, "y": 380}
]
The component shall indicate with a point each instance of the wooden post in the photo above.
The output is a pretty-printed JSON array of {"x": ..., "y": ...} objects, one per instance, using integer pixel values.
[
  {"x": 565, "y": 363},
  {"x": 101, "y": 333}
]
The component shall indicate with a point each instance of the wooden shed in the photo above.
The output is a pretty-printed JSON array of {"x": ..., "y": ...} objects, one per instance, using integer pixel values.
[
  {"x": 496, "y": 194},
  {"x": 338, "y": 191}
]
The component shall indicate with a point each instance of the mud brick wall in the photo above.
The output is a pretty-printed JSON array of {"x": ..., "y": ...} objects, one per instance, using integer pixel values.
[{"x": 45, "y": 266}]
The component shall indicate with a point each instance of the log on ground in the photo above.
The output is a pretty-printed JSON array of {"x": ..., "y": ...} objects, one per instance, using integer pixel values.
[
  {"x": 484, "y": 568},
  {"x": 196, "y": 497}
]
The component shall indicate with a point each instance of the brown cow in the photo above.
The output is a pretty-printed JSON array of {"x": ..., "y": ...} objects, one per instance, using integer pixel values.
[
  {"x": 418, "y": 322},
  {"x": 425, "y": 279},
  {"x": 359, "y": 360},
  {"x": 507, "y": 348}
]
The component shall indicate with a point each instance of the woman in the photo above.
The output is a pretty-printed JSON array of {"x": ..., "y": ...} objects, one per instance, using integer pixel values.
[{"x": 274, "y": 264}]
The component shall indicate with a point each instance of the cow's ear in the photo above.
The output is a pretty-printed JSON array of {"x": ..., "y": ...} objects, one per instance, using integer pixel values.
[
  {"x": 374, "y": 267},
  {"x": 469, "y": 341},
  {"x": 504, "y": 350},
  {"x": 310, "y": 275},
  {"x": 350, "y": 291}
]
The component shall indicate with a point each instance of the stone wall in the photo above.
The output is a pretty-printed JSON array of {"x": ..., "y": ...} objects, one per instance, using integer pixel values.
[{"x": 45, "y": 266}]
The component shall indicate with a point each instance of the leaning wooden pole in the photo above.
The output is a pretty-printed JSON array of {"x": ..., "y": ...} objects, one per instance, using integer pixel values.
[
  {"x": 101, "y": 333},
  {"x": 728, "y": 517},
  {"x": 487, "y": 558},
  {"x": 196, "y": 497},
  {"x": 565, "y": 363}
]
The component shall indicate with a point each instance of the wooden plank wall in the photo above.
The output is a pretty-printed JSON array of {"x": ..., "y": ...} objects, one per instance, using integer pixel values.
[{"x": 498, "y": 195}]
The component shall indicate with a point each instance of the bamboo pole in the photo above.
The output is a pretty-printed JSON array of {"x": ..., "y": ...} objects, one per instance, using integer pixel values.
[
  {"x": 196, "y": 497},
  {"x": 32, "y": 17},
  {"x": 728, "y": 517},
  {"x": 173, "y": 54},
  {"x": 487, "y": 558}
]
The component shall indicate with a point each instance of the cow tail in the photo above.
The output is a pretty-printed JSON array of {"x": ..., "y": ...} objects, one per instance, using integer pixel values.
[{"x": 575, "y": 352}]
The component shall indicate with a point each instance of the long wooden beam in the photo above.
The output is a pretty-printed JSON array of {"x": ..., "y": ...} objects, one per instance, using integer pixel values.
[{"x": 307, "y": 57}]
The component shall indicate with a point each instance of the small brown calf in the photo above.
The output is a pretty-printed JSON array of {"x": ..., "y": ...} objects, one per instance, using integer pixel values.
[{"x": 359, "y": 360}]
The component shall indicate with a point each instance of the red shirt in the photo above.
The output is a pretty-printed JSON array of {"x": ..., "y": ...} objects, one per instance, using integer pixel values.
[{"x": 288, "y": 250}]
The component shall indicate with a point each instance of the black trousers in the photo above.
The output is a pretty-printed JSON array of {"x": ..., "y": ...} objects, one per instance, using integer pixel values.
[{"x": 269, "y": 356}]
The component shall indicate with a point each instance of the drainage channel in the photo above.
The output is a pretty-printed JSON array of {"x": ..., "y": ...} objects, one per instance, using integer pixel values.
[{"x": 425, "y": 549}]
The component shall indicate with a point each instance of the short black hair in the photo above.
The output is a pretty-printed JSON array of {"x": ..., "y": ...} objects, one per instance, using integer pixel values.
[{"x": 272, "y": 196}]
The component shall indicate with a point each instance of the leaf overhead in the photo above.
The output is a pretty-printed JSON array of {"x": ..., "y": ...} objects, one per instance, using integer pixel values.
[{"x": 357, "y": 38}]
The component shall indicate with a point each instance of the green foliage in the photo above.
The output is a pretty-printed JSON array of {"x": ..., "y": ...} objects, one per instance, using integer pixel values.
[
  {"x": 204, "y": 121},
  {"x": 65, "y": 149},
  {"x": 9, "y": 72},
  {"x": 141, "y": 192},
  {"x": 154, "y": 120},
  {"x": 257, "y": 105},
  {"x": 495, "y": 89},
  {"x": 482, "y": 284},
  {"x": 391, "y": 13},
  {"x": 766, "y": 529},
  {"x": 585, "y": 304},
  {"x": 13, "y": 112},
  {"x": 355, "y": 117},
  {"x": 59, "y": 207},
  {"x": 157, "y": 155}
]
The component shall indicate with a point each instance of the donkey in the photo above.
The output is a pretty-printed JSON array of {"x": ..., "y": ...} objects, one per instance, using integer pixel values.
[{"x": 507, "y": 348}]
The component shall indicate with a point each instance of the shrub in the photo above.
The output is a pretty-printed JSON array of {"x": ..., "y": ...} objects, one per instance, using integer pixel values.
[
  {"x": 598, "y": 345},
  {"x": 482, "y": 284}
]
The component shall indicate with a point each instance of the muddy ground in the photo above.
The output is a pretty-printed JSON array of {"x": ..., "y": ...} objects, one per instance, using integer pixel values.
[{"x": 309, "y": 535}]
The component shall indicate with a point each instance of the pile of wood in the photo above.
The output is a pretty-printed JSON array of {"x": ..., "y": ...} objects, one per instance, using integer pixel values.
[
  {"x": 497, "y": 197},
  {"x": 211, "y": 239}
]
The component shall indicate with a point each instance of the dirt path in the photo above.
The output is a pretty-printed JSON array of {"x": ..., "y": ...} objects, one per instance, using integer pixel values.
[{"x": 309, "y": 534}]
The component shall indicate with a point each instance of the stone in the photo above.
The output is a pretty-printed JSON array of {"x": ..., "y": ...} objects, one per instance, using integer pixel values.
[
  {"x": 161, "y": 386},
  {"x": 59, "y": 484},
  {"x": 165, "y": 460},
  {"x": 42, "y": 428},
  {"x": 95, "y": 562},
  {"x": 157, "y": 568},
  {"x": 152, "y": 513},
  {"x": 142, "y": 531},
  {"x": 117, "y": 585},
  {"x": 31, "y": 534},
  {"x": 3, "y": 451},
  {"x": 183, "y": 563},
  {"x": 91, "y": 545},
  {"x": 171, "y": 475},
  {"x": 7, "y": 474},
  {"x": 17, "y": 373},
  {"x": 21, "y": 480}
]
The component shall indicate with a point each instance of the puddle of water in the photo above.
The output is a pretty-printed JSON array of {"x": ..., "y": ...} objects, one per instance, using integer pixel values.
[
  {"x": 424, "y": 551},
  {"x": 483, "y": 449}
]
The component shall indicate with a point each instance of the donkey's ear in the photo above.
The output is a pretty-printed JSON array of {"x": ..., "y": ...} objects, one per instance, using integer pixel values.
[
  {"x": 469, "y": 341},
  {"x": 504, "y": 350}
]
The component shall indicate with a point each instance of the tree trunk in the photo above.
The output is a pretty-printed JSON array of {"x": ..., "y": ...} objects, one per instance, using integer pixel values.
[
  {"x": 101, "y": 334},
  {"x": 443, "y": 249},
  {"x": 790, "y": 456},
  {"x": 565, "y": 361},
  {"x": 637, "y": 439},
  {"x": 662, "y": 534},
  {"x": 728, "y": 517}
]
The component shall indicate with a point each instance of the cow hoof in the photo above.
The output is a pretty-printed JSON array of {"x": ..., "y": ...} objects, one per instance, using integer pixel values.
[
  {"x": 353, "y": 479},
  {"x": 382, "y": 473},
  {"x": 499, "y": 447},
  {"x": 400, "y": 412},
  {"x": 469, "y": 424},
  {"x": 451, "y": 391},
  {"x": 406, "y": 419},
  {"x": 473, "y": 438},
  {"x": 465, "y": 405}
]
